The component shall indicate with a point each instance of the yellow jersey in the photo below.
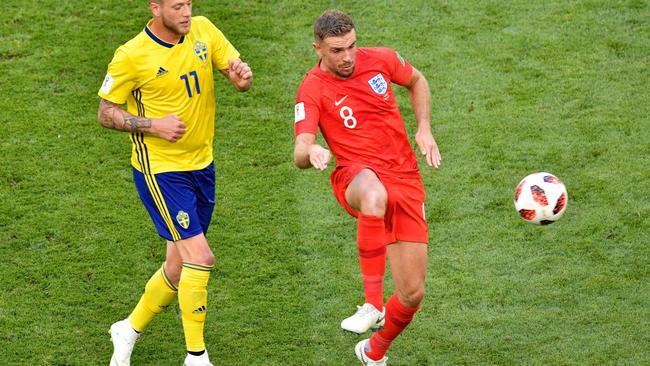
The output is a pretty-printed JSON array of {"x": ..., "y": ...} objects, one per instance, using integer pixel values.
[{"x": 156, "y": 78}]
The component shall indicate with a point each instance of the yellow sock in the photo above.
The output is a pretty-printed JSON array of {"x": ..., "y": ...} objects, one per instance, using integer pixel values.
[
  {"x": 158, "y": 293},
  {"x": 193, "y": 302}
]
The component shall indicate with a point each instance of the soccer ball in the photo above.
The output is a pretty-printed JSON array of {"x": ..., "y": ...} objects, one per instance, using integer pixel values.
[{"x": 541, "y": 198}]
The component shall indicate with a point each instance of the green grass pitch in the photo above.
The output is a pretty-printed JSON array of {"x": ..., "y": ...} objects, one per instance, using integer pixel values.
[{"x": 517, "y": 87}]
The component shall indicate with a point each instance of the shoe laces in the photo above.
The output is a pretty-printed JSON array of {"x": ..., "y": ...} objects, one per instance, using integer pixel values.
[{"x": 365, "y": 309}]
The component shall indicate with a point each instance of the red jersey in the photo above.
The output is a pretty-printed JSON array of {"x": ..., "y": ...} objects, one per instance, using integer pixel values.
[{"x": 358, "y": 116}]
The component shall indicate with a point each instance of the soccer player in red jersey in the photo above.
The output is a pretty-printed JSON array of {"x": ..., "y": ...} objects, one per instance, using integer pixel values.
[{"x": 348, "y": 96}]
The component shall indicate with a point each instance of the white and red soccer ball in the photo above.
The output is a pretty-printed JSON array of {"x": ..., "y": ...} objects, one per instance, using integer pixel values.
[{"x": 541, "y": 198}]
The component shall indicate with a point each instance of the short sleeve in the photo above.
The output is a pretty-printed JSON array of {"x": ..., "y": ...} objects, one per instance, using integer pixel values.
[
  {"x": 400, "y": 69},
  {"x": 222, "y": 50},
  {"x": 120, "y": 79},
  {"x": 306, "y": 110}
]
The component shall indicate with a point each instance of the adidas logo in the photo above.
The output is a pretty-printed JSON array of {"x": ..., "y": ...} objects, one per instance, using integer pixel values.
[
  {"x": 200, "y": 310},
  {"x": 161, "y": 72}
]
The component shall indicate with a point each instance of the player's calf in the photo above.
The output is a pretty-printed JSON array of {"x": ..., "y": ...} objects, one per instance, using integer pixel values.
[{"x": 193, "y": 302}]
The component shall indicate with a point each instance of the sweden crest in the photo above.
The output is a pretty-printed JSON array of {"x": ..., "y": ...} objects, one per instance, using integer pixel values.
[
  {"x": 378, "y": 84},
  {"x": 201, "y": 50},
  {"x": 183, "y": 219}
]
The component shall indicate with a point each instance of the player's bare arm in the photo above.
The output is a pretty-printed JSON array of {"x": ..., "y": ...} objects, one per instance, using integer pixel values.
[
  {"x": 418, "y": 88},
  {"x": 111, "y": 115},
  {"x": 239, "y": 74},
  {"x": 308, "y": 153}
]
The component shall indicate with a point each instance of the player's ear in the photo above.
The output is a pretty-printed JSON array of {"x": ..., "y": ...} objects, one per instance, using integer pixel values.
[
  {"x": 317, "y": 48},
  {"x": 154, "y": 6}
]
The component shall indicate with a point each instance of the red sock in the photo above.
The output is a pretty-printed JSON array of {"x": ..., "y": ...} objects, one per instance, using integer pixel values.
[
  {"x": 398, "y": 316},
  {"x": 371, "y": 241}
]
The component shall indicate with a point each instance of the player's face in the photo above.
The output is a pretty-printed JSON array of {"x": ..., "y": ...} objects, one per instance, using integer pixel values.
[
  {"x": 338, "y": 54},
  {"x": 176, "y": 15}
]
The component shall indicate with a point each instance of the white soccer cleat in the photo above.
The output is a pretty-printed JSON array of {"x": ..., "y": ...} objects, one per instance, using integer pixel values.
[
  {"x": 366, "y": 317},
  {"x": 123, "y": 336},
  {"x": 360, "y": 351},
  {"x": 203, "y": 360}
]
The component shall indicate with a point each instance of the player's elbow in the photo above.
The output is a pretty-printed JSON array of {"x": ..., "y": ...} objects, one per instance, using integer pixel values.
[
  {"x": 301, "y": 150},
  {"x": 101, "y": 117},
  {"x": 105, "y": 114},
  {"x": 417, "y": 81}
]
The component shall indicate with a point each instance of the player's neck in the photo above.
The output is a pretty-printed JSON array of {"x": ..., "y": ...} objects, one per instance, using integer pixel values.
[{"x": 158, "y": 28}]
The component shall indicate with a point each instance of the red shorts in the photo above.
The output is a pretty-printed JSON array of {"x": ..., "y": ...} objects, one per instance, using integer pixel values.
[{"x": 405, "y": 219}]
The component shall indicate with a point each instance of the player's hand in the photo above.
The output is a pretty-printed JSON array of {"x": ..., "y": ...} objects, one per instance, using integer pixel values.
[
  {"x": 240, "y": 74},
  {"x": 319, "y": 157},
  {"x": 170, "y": 127},
  {"x": 428, "y": 147}
]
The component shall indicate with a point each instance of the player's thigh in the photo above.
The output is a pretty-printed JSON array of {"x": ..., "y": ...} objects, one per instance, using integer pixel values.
[
  {"x": 366, "y": 192},
  {"x": 408, "y": 264}
]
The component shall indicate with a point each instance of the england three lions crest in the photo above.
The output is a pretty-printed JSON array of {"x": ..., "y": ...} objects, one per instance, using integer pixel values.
[{"x": 378, "y": 84}]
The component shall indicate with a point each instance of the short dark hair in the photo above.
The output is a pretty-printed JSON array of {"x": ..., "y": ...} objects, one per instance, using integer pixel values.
[{"x": 332, "y": 23}]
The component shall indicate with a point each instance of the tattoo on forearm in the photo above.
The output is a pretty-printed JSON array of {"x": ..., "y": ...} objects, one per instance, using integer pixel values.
[
  {"x": 112, "y": 116},
  {"x": 133, "y": 123}
]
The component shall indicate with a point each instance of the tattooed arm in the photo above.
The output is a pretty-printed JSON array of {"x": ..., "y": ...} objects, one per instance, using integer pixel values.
[{"x": 111, "y": 115}]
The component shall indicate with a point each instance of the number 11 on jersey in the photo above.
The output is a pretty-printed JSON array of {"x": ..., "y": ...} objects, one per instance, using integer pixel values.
[{"x": 187, "y": 83}]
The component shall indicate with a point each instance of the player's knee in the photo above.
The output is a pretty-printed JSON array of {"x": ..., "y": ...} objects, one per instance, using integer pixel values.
[
  {"x": 196, "y": 250},
  {"x": 373, "y": 201},
  {"x": 205, "y": 259},
  {"x": 412, "y": 296},
  {"x": 173, "y": 273}
]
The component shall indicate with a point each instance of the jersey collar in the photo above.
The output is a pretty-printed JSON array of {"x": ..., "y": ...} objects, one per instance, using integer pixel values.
[{"x": 158, "y": 40}]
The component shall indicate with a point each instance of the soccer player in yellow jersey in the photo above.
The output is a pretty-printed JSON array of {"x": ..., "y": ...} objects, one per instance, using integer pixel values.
[{"x": 165, "y": 77}]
